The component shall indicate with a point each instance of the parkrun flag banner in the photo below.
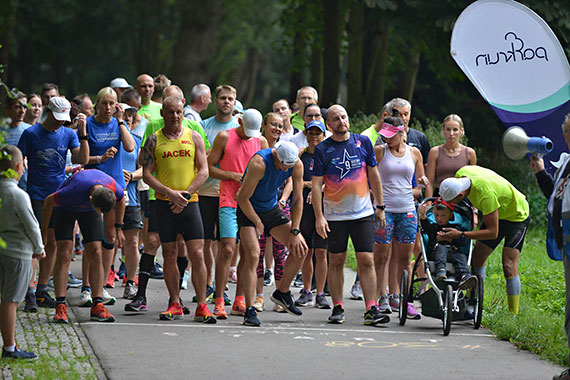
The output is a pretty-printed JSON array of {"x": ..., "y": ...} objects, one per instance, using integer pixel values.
[{"x": 516, "y": 62}]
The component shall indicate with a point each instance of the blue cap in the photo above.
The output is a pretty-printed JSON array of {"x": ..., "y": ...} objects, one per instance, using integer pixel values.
[{"x": 317, "y": 123}]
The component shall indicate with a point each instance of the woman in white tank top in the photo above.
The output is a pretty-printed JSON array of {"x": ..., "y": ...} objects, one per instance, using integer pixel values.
[{"x": 397, "y": 164}]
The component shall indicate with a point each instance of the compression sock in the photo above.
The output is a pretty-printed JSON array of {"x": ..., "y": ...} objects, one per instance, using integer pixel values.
[
  {"x": 145, "y": 267},
  {"x": 182, "y": 263},
  {"x": 514, "y": 293},
  {"x": 369, "y": 304},
  {"x": 337, "y": 303}
]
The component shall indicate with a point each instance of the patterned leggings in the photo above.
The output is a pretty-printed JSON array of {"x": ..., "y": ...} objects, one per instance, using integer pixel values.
[{"x": 280, "y": 253}]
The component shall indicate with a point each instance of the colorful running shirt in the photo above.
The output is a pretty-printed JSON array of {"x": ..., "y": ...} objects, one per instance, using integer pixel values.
[
  {"x": 102, "y": 136},
  {"x": 372, "y": 134},
  {"x": 343, "y": 166},
  {"x": 237, "y": 154},
  {"x": 264, "y": 197},
  {"x": 150, "y": 111},
  {"x": 73, "y": 194},
  {"x": 490, "y": 192},
  {"x": 174, "y": 162},
  {"x": 46, "y": 152},
  {"x": 297, "y": 121},
  {"x": 130, "y": 164},
  {"x": 212, "y": 127}
]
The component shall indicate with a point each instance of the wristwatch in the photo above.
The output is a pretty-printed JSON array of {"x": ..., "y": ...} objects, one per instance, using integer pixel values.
[
  {"x": 119, "y": 225},
  {"x": 381, "y": 207},
  {"x": 295, "y": 231}
]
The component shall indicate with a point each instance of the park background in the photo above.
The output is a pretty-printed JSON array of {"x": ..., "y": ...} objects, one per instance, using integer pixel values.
[{"x": 358, "y": 53}]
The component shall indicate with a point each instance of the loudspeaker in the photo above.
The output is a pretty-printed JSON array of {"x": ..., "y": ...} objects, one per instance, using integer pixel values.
[{"x": 516, "y": 144}]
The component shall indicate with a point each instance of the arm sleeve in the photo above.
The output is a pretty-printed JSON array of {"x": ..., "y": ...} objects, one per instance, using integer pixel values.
[
  {"x": 545, "y": 182},
  {"x": 30, "y": 223}
]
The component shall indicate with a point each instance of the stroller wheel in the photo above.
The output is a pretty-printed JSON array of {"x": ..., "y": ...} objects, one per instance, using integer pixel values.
[
  {"x": 403, "y": 307},
  {"x": 448, "y": 310}
]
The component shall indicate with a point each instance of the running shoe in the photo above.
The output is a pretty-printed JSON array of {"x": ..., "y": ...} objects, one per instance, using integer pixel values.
[
  {"x": 394, "y": 301},
  {"x": 43, "y": 299},
  {"x": 138, "y": 304},
  {"x": 110, "y": 279},
  {"x": 30, "y": 304},
  {"x": 174, "y": 311},
  {"x": 278, "y": 308},
  {"x": 60, "y": 313},
  {"x": 136, "y": 280},
  {"x": 73, "y": 282},
  {"x": 305, "y": 299},
  {"x": 298, "y": 282},
  {"x": 258, "y": 304},
  {"x": 321, "y": 302},
  {"x": 100, "y": 313},
  {"x": 85, "y": 299},
  {"x": 185, "y": 279},
  {"x": 286, "y": 300},
  {"x": 233, "y": 276},
  {"x": 204, "y": 315},
  {"x": 356, "y": 291},
  {"x": 268, "y": 278},
  {"x": 238, "y": 308},
  {"x": 130, "y": 291},
  {"x": 337, "y": 316},
  {"x": 467, "y": 282},
  {"x": 18, "y": 354},
  {"x": 250, "y": 317},
  {"x": 156, "y": 272},
  {"x": 107, "y": 298},
  {"x": 565, "y": 375},
  {"x": 412, "y": 312},
  {"x": 210, "y": 292},
  {"x": 384, "y": 304},
  {"x": 227, "y": 299},
  {"x": 220, "y": 311},
  {"x": 373, "y": 317},
  {"x": 122, "y": 272}
]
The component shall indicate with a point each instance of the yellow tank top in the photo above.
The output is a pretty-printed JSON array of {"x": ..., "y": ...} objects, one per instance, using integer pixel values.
[{"x": 174, "y": 162}]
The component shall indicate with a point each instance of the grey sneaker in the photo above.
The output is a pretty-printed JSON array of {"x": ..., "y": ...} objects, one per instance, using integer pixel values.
[
  {"x": 322, "y": 302},
  {"x": 356, "y": 291},
  {"x": 337, "y": 316},
  {"x": 130, "y": 291},
  {"x": 305, "y": 299},
  {"x": 384, "y": 304},
  {"x": 30, "y": 304},
  {"x": 394, "y": 300},
  {"x": 298, "y": 282}
]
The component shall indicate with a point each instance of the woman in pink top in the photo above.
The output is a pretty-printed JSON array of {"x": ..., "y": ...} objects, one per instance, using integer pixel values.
[{"x": 444, "y": 160}]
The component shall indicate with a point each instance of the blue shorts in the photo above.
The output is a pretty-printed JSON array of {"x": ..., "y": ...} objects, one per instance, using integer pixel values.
[
  {"x": 228, "y": 222},
  {"x": 403, "y": 227}
]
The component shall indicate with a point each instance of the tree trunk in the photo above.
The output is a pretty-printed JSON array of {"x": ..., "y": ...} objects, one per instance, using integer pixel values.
[
  {"x": 296, "y": 79},
  {"x": 331, "y": 52},
  {"x": 252, "y": 83},
  {"x": 376, "y": 77},
  {"x": 407, "y": 77},
  {"x": 8, "y": 19},
  {"x": 355, "y": 31},
  {"x": 317, "y": 66}
]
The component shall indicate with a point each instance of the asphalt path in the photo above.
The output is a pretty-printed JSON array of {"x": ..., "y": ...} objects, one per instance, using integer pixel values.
[{"x": 139, "y": 345}]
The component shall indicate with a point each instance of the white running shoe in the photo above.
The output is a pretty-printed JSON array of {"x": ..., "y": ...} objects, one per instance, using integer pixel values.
[
  {"x": 107, "y": 298},
  {"x": 85, "y": 299}
]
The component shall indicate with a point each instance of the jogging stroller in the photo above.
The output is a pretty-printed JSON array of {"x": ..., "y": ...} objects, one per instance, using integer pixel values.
[{"x": 443, "y": 299}]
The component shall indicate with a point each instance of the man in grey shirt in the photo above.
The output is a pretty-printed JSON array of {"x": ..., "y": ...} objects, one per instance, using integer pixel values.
[{"x": 200, "y": 97}]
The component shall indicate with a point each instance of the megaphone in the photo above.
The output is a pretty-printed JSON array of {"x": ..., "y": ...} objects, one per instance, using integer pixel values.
[{"x": 516, "y": 144}]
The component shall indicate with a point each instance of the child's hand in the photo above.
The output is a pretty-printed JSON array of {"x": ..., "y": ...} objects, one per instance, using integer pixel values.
[{"x": 423, "y": 210}]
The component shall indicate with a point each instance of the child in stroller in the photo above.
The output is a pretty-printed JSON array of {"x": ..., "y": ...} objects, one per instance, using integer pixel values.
[{"x": 442, "y": 251}]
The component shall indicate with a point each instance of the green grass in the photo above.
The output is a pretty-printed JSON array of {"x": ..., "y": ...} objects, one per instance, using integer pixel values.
[{"x": 539, "y": 326}]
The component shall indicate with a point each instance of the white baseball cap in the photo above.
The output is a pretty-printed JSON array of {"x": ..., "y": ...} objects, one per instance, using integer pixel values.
[
  {"x": 120, "y": 83},
  {"x": 60, "y": 108},
  {"x": 126, "y": 107},
  {"x": 251, "y": 121},
  {"x": 451, "y": 187},
  {"x": 287, "y": 153}
]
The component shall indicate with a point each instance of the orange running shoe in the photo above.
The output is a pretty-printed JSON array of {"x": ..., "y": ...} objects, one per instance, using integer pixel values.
[
  {"x": 174, "y": 311},
  {"x": 203, "y": 314},
  {"x": 220, "y": 311},
  {"x": 111, "y": 279},
  {"x": 238, "y": 308},
  {"x": 100, "y": 313},
  {"x": 60, "y": 313}
]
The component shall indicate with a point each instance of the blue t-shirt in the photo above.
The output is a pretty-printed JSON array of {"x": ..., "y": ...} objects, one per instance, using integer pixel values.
[
  {"x": 343, "y": 166},
  {"x": 102, "y": 136},
  {"x": 73, "y": 194},
  {"x": 46, "y": 152},
  {"x": 264, "y": 197},
  {"x": 130, "y": 164},
  {"x": 13, "y": 137}
]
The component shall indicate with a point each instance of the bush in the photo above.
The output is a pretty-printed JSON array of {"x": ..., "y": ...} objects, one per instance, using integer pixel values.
[{"x": 359, "y": 122}]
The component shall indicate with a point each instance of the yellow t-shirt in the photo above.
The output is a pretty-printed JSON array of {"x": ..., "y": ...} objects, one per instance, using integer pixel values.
[{"x": 174, "y": 162}]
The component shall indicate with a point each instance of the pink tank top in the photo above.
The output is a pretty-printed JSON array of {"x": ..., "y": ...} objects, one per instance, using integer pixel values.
[
  {"x": 447, "y": 166},
  {"x": 236, "y": 157}
]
